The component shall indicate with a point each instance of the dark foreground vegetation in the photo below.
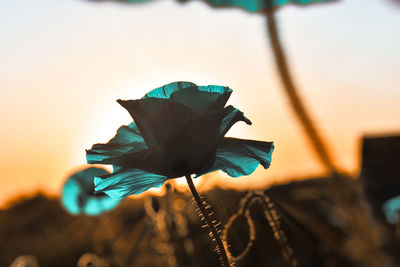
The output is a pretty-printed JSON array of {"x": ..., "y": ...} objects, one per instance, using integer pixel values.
[{"x": 330, "y": 221}]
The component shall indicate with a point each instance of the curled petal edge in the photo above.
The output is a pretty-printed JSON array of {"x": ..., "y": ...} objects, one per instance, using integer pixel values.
[{"x": 239, "y": 157}]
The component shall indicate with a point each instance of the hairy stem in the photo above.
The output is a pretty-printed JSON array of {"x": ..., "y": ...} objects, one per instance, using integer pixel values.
[{"x": 204, "y": 213}]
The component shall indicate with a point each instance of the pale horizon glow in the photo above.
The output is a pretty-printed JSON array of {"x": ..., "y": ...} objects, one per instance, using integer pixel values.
[{"x": 64, "y": 63}]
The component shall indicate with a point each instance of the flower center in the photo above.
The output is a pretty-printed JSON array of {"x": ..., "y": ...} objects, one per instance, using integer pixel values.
[{"x": 181, "y": 168}]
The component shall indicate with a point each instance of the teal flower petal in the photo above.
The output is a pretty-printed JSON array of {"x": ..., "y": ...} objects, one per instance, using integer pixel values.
[
  {"x": 167, "y": 90},
  {"x": 201, "y": 99},
  {"x": 127, "y": 140},
  {"x": 238, "y": 157},
  {"x": 78, "y": 194},
  {"x": 157, "y": 117},
  {"x": 165, "y": 109},
  {"x": 391, "y": 208},
  {"x": 231, "y": 116},
  {"x": 128, "y": 182},
  {"x": 261, "y": 5}
]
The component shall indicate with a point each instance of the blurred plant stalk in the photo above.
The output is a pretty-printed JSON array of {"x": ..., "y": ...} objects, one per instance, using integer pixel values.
[{"x": 319, "y": 145}]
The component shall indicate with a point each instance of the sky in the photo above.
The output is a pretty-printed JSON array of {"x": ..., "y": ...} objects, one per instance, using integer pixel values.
[{"x": 64, "y": 63}]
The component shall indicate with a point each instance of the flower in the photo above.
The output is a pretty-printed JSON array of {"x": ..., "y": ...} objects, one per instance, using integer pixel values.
[
  {"x": 260, "y": 5},
  {"x": 178, "y": 130},
  {"x": 78, "y": 194}
]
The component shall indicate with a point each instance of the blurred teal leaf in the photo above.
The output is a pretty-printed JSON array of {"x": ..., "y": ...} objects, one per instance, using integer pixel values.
[
  {"x": 78, "y": 194},
  {"x": 391, "y": 208},
  {"x": 178, "y": 130}
]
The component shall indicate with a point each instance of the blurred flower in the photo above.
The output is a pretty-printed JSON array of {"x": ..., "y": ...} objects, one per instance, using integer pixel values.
[
  {"x": 260, "y": 5},
  {"x": 178, "y": 130},
  {"x": 78, "y": 194},
  {"x": 391, "y": 208},
  {"x": 249, "y": 5}
]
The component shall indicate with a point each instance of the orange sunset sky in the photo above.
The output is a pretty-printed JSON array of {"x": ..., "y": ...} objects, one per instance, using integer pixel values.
[{"x": 64, "y": 63}]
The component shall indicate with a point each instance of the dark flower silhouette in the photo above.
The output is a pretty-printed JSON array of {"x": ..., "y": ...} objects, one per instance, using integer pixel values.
[
  {"x": 178, "y": 130},
  {"x": 78, "y": 194}
]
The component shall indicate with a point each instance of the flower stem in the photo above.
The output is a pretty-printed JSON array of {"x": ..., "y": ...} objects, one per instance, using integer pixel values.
[
  {"x": 296, "y": 102},
  {"x": 203, "y": 211}
]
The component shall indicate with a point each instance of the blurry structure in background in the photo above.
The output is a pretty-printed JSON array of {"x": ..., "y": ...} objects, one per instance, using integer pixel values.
[
  {"x": 78, "y": 195},
  {"x": 380, "y": 173},
  {"x": 25, "y": 261}
]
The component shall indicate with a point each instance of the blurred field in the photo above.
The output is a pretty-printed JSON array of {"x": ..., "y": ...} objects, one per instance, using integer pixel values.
[{"x": 326, "y": 221}]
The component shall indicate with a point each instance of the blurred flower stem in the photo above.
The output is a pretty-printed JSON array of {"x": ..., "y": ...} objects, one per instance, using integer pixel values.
[
  {"x": 361, "y": 227},
  {"x": 220, "y": 246},
  {"x": 291, "y": 90}
]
